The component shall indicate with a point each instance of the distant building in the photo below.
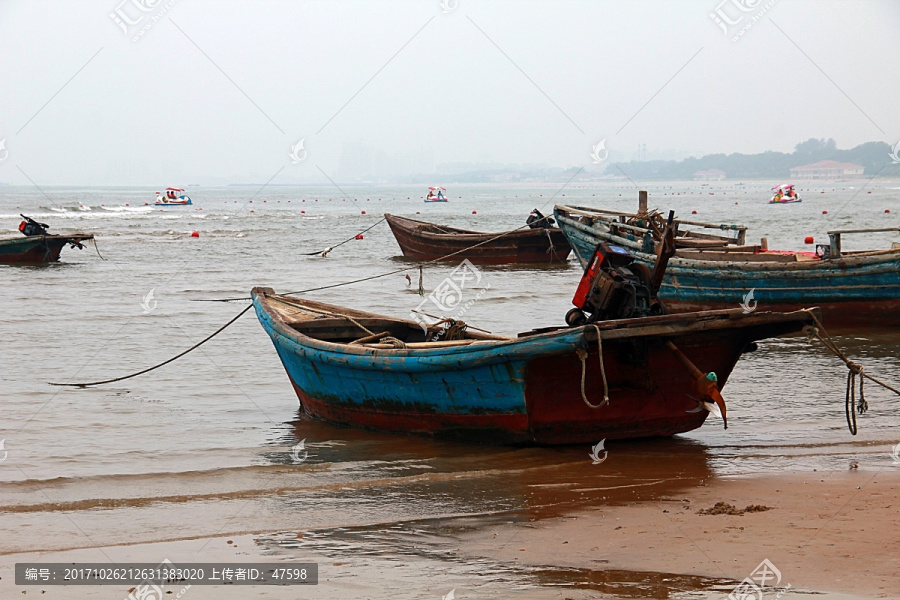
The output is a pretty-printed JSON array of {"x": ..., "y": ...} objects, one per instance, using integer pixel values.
[
  {"x": 711, "y": 175},
  {"x": 827, "y": 169}
]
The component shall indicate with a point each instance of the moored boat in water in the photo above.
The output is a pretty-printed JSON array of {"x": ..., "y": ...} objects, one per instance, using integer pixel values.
[
  {"x": 37, "y": 246},
  {"x": 711, "y": 272},
  {"x": 785, "y": 194},
  {"x": 173, "y": 197},
  {"x": 546, "y": 386},
  {"x": 427, "y": 241}
]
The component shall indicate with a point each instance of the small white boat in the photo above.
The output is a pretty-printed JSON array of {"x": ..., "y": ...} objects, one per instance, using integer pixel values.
[
  {"x": 785, "y": 194},
  {"x": 173, "y": 197}
]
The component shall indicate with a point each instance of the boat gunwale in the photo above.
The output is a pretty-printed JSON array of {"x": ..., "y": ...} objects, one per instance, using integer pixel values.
[
  {"x": 461, "y": 234},
  {"x": 566, "y": 339},
  {"x": 887, "y": 257}
]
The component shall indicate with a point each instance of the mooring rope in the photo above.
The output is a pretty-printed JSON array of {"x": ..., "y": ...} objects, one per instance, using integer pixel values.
[
  {"x": 316, "y": 289},
  {"x": 154, "y": 367},
  {"x": 854, "y": 370},
  {"x": 93, "y": 242},
  {"x": 582, "y": 355},
  {"x": 324, "y": 252}
]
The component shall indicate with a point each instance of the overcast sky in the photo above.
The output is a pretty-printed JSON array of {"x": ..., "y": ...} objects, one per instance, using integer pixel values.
[{"x": 223, "y": 90}]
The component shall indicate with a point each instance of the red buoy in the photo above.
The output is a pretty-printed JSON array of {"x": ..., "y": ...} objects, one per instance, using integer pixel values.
[
  {"x": 808, "y": 239},
  {"x": 195, "y": 234},
  {"x": 359, "y": 236},
  {"x": 302, "y": 212},
  {"x": 474, "y": 212},
  {"x": 824, "y": 212},
  {"x": 693, "y": 212},
  {"x": 887, "y": 210},
  {"x": 363, "y": 212}
]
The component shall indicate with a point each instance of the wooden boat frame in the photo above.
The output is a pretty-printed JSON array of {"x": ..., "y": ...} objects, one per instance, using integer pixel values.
[
  {"x": 422, "y": 240},
  {"x": 851, "y": 288},
  {"x": 496, "y": 389},
  {"x": 38, "y": 249}
]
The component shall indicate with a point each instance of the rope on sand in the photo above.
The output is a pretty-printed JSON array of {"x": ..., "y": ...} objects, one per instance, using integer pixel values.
[{"x": 854, "y": 370}]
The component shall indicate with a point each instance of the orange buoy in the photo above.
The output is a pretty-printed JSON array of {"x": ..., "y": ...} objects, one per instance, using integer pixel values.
[
  {"x": 808, "y": 239},
  {"x": 195, "y": 234}
]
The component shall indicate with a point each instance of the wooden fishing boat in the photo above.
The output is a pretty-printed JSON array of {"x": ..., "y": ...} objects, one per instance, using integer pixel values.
[
  {"x": 366, "y": 370},
  {"x": 35, "y": 250},
  {"x": 712, "y": 271},
  {"x": 427, "y": 241},
  {"x": 37, "y": 246}
]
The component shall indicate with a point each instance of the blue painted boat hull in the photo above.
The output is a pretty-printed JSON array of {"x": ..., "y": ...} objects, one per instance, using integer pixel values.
[
  {"x": 849, "y": 290},
  {"x": 515, "y": 390}
]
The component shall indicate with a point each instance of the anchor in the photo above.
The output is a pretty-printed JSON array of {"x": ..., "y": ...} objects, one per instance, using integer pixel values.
[{"x": 706, "y": 385}]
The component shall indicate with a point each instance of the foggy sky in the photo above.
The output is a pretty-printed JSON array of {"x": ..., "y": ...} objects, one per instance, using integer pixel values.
[{"x": 221, "y": 91}]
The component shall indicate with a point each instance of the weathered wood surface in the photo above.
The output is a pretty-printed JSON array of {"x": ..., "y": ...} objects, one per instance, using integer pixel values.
[
  {"x": 427, "y": 241},
  {"x": 857, "y": 288},
  {"x": 522, "y": 390}
]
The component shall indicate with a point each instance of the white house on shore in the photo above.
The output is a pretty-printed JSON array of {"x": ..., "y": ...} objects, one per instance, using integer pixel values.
[{"x": 827, "y": 169}]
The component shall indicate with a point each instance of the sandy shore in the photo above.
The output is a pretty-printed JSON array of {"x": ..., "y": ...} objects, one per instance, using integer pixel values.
[
  {"x": 825, "y": 532},
  {"x": 832, "y": 533}
]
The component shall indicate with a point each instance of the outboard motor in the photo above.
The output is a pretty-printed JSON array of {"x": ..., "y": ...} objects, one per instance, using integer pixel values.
[
  {"x": 31, "y": 227},
  {"x": 615, "y": 286},
  {"x": 536, "y": 220}
]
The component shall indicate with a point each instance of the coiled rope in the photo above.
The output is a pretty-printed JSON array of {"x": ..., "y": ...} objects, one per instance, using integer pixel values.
[
  {"x": 316, "y": 289},
  {"x": 582, "y": 355},
  {"x": 854, "y": 371}
]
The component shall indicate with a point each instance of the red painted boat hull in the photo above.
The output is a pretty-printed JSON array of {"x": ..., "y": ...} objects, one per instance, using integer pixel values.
[
  {"x": 525, "y": 390},
  {"x": 425, "y": 241}
]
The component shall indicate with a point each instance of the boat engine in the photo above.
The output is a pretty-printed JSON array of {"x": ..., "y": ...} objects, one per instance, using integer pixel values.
[
  {"x": 536, "y": 220},
  {"x": 31, "y": 227},
  {"x": 615, "y": 286}
]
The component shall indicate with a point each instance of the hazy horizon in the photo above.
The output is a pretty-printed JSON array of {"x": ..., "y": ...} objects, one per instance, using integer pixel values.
[{"x": 179, "y": 92}]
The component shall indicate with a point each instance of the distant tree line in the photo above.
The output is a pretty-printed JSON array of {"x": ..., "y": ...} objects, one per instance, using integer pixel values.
[{"x": 874, "y": 156}]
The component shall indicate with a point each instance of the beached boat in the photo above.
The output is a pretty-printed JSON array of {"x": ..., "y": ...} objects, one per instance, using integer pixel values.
[
  {"x": 37, "y": 246},
  {"x": 173, "y": 197},
  {"x": 366, "y": 370},
  {"x": 427, "y": 241},
  {"x": 714, "y": 271}
]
